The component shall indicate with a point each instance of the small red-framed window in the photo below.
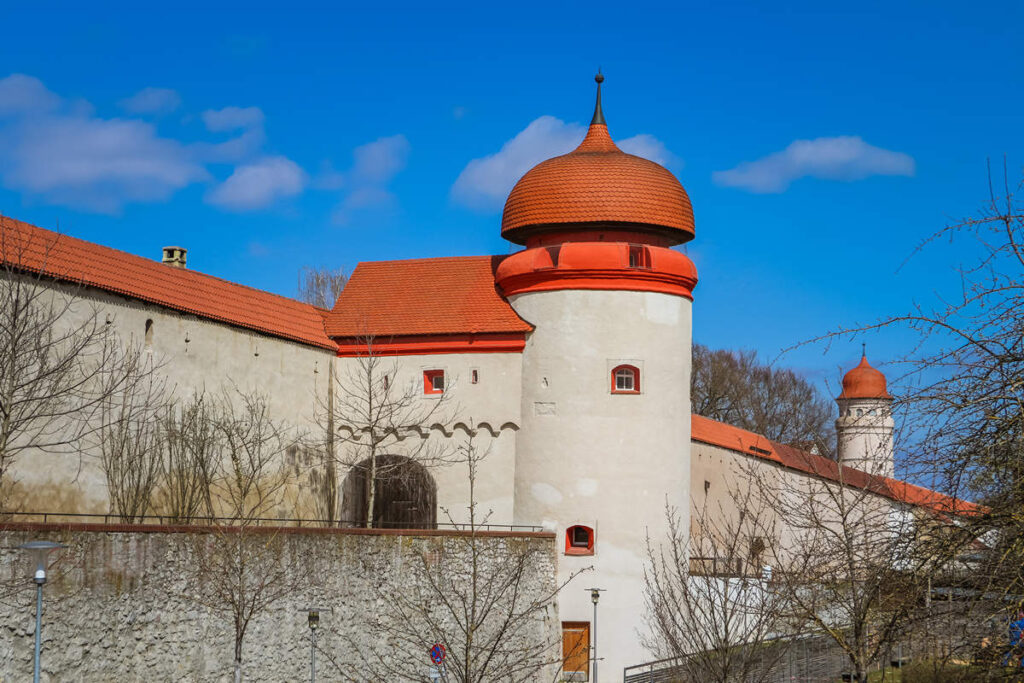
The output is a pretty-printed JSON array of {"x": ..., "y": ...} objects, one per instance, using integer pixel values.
[
  {"x": 626, "y": 380},
  {"x": 433, "y": 381},
  {"x": 579, "y": 540}
]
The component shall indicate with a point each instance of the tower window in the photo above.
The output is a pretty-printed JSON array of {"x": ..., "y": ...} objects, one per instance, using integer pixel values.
[
  {"x": 579, "y": 540},
  {"x": 475, "y": 377},
  {"x": 626, "y": 380},
  {"x": 149, "y": 334},
  {"x": 433, "y": 381}
]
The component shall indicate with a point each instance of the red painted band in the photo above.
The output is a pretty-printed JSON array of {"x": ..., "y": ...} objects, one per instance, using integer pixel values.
[{"x": 432, "y": 344}]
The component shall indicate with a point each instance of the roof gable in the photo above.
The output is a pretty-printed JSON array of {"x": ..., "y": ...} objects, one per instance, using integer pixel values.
[
  {"x": 439, "y": 296},
  {"x": 37, "y": 250}
]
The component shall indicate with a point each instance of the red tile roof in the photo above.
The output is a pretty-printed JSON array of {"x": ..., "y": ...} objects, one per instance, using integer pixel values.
[
  {"x": 37, "y": 250},
  {"x": 740, "y": 440},
  {"x": 597, "y": 183},
  {"x": 424, "y": 297}
]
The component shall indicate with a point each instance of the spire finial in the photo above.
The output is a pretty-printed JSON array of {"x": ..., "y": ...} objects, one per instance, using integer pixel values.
[
  {"x": 598, "y": 114},
  {"x": 864, "y": 349}
]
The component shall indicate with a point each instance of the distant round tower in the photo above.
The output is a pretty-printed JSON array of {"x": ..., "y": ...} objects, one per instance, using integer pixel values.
[
  {"x": 865, "y": 426},
  {"x": 605, "y": 437}
]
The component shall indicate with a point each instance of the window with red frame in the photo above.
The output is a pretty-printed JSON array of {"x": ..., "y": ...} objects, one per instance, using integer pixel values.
[
  {"x": 433, "y": 381},
  {"x": 579, "y": 540},
  {"x": 626, "y": 380}
]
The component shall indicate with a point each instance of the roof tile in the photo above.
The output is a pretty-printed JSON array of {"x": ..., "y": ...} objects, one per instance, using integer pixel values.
[
  {"x": 59, "y": 256},
  {"x": 720, "y": 434},
  {"x": 423, "y": 297}
]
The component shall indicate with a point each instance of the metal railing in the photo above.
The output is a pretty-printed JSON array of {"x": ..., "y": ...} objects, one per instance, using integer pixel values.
[
  {"x": 303, "y": 522},
  {"x": 810, "y": 658}
]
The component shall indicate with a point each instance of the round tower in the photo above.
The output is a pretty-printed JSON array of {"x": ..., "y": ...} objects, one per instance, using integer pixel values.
[
  {"x": 605, "y": 437},
  {"x": 865, "y": 426}
]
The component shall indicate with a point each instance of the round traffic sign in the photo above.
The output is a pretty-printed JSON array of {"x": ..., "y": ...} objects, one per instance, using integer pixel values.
[{"x": 437, "y": 653}]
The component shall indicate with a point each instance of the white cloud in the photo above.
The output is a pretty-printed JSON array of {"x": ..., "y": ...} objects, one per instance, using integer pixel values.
[
  {"x": 259, "y": 184},
  {"x": 374, "y": 166},
  {"x": 838, "y": 158},
  {"x": 152, "y": 101},
  {"x": 21, "y": 94},
  {"x": 232, "y": 118},
  {"x": 59, "y": 151},
  {"x": 485, "y": 182},
  {"x": 379, "y": 161},
  {"x": 649, "y": 147}
]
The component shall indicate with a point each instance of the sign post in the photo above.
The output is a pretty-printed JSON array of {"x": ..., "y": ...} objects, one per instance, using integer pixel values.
[{"x": 437, "y": 656}]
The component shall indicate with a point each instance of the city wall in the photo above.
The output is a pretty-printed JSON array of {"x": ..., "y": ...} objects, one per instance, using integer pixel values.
[{"x": 131, "y": 603}]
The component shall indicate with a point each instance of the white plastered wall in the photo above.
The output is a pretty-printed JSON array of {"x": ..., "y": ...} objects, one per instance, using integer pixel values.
[
  {"x": 608, "y": 461},
  {"x": 194, "y": 354},
  {"x": 864, "y": 435},
  {"x": 489, "y": 408}
]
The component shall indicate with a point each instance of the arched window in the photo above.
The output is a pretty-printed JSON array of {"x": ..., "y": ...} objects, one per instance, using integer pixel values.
[
  {"x": 404, "y": 494},
  {"x": 149, "y": 333},
  {"x": 626, "y": 380},
  {"x": 579, "y": 540}
]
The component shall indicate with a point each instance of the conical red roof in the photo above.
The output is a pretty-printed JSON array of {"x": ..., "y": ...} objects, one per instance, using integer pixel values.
[{"x": 864, "y": 381}]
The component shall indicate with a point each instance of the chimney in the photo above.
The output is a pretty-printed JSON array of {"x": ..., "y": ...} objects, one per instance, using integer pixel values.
[{"x": 175, "y": 256}]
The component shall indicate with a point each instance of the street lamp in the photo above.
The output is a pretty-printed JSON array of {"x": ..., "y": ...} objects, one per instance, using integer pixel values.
[
  {"x": 595, "y": 595},
  {"x": 313, "y": 619},
  {"x": 39, "y": 551}
]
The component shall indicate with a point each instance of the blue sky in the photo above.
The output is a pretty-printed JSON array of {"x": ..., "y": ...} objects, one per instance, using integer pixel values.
[{"x": 819, "y": 142}]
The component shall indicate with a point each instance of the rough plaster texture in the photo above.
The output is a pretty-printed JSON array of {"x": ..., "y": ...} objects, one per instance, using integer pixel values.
[
  {"x": 607, "y": 461},
  {"x": 194, "y": 354},
  {"x": 120, "y": 605}
]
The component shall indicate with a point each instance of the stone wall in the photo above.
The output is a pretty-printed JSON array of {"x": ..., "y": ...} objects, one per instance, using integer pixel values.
[{"x": 130, "y": 603}]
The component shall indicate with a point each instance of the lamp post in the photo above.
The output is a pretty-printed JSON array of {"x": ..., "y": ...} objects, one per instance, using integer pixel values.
[
  {"x": 595, "y": 595},
  {"x": 39, "y": 551},
  {"x": 313, "y": 619}
]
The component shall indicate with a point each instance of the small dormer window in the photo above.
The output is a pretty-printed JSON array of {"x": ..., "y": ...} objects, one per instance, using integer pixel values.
[
  {"x": 639, "y": 256},
  {"x": 626, "y": 380},
  {"x": 433, "y": 381}
]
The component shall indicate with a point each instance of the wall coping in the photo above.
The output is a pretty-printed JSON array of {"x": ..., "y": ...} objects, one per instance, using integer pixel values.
[{"x": 260, "y": 530}]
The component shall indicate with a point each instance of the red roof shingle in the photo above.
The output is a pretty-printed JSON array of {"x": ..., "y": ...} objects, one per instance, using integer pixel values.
[
  {"x": 742, "y": 441},
  {"x": 597, "y": 183},
  {"x": 423, "y": 297},
  {"x": 37, "y": 250}
]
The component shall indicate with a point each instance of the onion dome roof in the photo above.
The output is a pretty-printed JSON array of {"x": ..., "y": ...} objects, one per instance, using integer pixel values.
[
  {"x": 598, "y": 186},
  {"x": 864, "y": 381}
]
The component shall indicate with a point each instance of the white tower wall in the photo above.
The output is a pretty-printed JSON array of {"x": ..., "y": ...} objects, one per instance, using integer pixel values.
[
  {"x": 864, "y": 433},
  {"x": 608, "y": 461}
]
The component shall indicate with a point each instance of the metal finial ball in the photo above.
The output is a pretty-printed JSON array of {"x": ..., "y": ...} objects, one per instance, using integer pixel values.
[{"x": 599, "y": 78}]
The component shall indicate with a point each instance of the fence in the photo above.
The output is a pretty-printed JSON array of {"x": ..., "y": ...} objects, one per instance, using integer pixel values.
[{"x": 57, "y": 517}]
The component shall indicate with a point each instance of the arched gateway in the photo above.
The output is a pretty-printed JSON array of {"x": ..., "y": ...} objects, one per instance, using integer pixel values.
[{"x": 405, "y": 495}]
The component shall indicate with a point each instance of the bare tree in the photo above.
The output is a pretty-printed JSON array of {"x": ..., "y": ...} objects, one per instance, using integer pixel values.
[
  {"x": 852, "y": 564},
  {"x": 710, "y": 601},
  {"x": 383, "y": 433},
  {"x": 242, "y": 569},
  {"x": 190, "y": 452},
  {"x": 962, "y": 392},
  {"x": 321, "y": 286},
  {"x": 736, "y": 388},
  {"x": 130, "y": 443},
  {"x": 60, "y": 358},
  {"x": 477, "y": 594}
]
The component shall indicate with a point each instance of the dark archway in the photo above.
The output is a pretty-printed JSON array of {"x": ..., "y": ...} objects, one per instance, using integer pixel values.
[{"x": 405, "y": 496}]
